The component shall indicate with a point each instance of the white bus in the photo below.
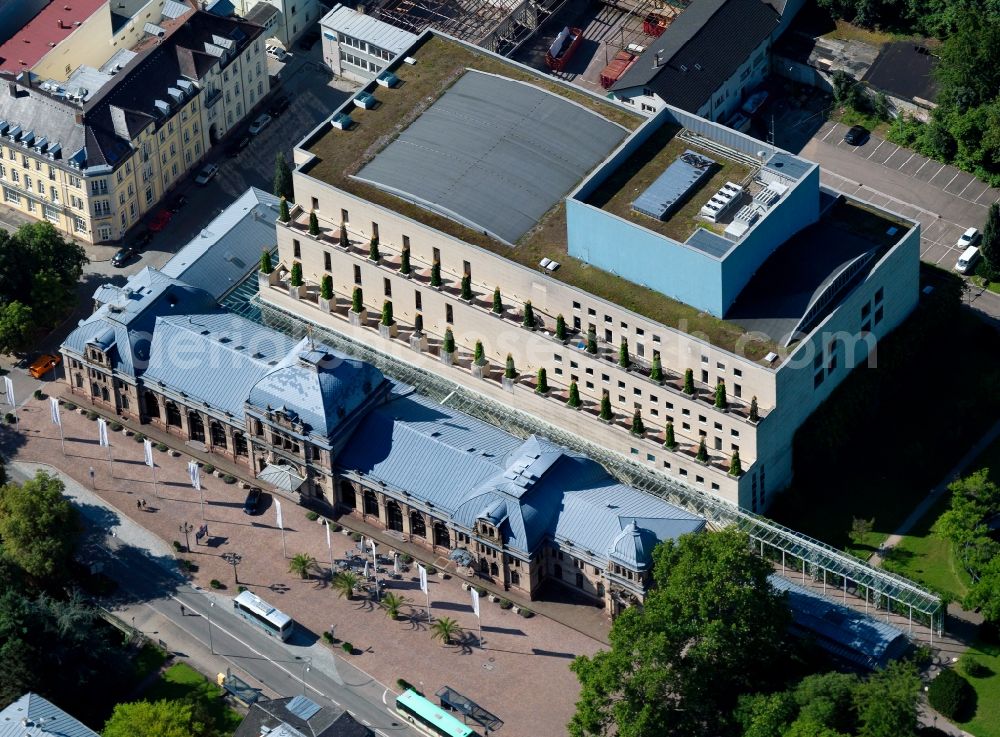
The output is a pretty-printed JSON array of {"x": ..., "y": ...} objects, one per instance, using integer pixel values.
[{"x": 254, "y": 609}]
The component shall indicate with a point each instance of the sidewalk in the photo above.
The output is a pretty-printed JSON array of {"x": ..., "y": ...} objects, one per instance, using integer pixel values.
[{"x": 520, "y": 653}]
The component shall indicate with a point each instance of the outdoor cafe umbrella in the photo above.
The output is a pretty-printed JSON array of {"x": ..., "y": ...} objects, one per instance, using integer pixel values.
[{"x": 462, "y": 556}]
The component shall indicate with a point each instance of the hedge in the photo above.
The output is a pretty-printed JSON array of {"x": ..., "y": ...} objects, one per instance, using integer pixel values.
[{"x": 951, "y": 695}]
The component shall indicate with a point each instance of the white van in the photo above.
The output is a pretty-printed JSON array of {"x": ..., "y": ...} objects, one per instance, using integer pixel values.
[{"x": 967, "y": 259}]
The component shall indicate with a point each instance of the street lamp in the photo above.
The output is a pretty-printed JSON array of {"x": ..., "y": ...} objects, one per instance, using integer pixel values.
[
  {"x": 306, "y": 667},
  {"x": 186, "y": 528},
  {"x": 233, "y": 559},
  {"x": 211, "y": 647}
]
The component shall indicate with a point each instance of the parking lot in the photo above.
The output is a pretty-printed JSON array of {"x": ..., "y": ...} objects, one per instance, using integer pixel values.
[{"x": 943, "y": 199}]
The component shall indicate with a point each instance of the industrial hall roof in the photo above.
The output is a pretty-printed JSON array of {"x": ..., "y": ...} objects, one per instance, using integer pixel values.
[
  {"x": 33, "y": 716},
  {"x": 494, "y": 153},
  {"x": 700, "y": 50}
]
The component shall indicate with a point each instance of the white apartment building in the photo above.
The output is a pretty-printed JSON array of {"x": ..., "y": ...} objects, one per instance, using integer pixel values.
[{"x": 357, "y": 46}]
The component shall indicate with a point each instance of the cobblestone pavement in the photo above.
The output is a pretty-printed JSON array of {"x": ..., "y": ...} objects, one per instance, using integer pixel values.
[{"x": 522, "y": 675}]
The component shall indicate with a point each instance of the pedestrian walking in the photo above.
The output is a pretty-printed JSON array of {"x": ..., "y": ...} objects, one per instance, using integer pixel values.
[
  {"x": 183, "y": 611},
  {"x": 143, "y": 504},
  {"x": 138, "y": 503}
]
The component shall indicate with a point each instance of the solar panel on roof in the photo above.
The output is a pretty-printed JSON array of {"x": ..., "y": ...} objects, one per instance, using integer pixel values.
[{"x": 673, "y": 185}]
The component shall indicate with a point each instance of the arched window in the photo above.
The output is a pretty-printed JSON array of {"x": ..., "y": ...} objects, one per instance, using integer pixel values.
[
  {"x": 417, "y": 525},
  {"x": 104, "y": 394},
  {"x": 371, "y": 502},
  {"x": 218, "y": 435},
  {"x": 494, "y": 569},
  {"x": 196, "y": 427},
  {"x": 558, "y": 571},
  {"x": 173, "y": 415},
  {"x": 515, "y": 578},
  {"x": 240, "y": 444},
  {"x": 347, "y": 496},
  {"x": 393, "y": 516},
  {"x": 152, "y": 405},
  {"x": 441, "y": 536},
  {"x": 579, "y": 580}
]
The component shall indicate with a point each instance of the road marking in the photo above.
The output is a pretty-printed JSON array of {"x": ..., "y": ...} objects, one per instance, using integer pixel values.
[
  {"x": 926, "y": 162},
  {"x": 876, "y": 149},
  {"x": 945, "y": 187},
  {"x": 832, "y": 129},
  {"x": 907, "y": 161},
  {"x": 366, "y": 722}
]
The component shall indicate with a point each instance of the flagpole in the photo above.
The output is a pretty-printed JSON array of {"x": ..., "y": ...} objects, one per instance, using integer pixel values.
[
  {"x": 111, "y": 460},
  {"x": 62, "y": 438},
  {"x": 153, "y": 469},
  {"x": 329, "y": 545}
]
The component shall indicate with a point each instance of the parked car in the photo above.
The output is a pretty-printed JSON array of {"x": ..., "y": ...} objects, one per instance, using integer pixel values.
[
  {"x": 263, "y": 120},
  {"x": 279, "y": 105},
  {"x": 857, "y": 135},
  {"x": 968, "y": 238},
  {"x": 967, "y": 260},
  {"x": 43, "y": 364},
  {"x": 277, "y": 52},
  {"x": 238, "y": 144},
  {"x": 205, "y": 175},
  {"x": 159, "y": 221},
  {"x": 123, "y": 256},
  {"x": 177, "y": 203},
  {"x": 252, "y": 503}
]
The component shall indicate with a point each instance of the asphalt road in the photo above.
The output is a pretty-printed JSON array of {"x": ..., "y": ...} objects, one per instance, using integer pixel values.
[{"x": 208, "y": 634}]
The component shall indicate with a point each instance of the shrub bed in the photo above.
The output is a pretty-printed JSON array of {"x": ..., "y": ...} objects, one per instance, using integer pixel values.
[{"x": 951, "y": 695}]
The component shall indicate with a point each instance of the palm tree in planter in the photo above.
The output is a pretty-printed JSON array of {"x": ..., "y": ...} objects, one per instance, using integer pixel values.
[
  {"x": 606, "y": 414},
  {"x": 592, "y": 341},
  {"x": 529, "y": 316},
  {"x": 542, "y": 386},
  {"x": 313, "y": 223},
  {"x": 668, "y": 441},
  {"x": 656, "y": 372},
  {"x": 445, "y": 629},
  {"x": 393, "y": 603},
  {"x": 283, "y": 214},
  {"x": 721, "y": 402},
  {"x": 735, "y": 465},
  {"x": 702, "y": 454},
  {"x": 436, "y": 274},
  {"x": 302, "y": 564},
  {"x": 373, "y": 252},
  {"x": 560, "y": 328},
  {"x": 344, "y": 584},
  {"x": 688, "y": 381},
  {"x": 638, "y": 426},
  {"x": 754, "y": 412},
  {"x": 574, "y": 396},
  {"x": 466, "y": 288},
  {"x": 404, "y": 262},
  {"x": 497, "y": 302},
  {"x": 624, "y": 359}
]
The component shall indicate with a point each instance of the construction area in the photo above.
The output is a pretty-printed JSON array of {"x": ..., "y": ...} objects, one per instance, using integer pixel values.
[
  {"x": 497, "y": 25},
  {"x": 615, "y": 33}
]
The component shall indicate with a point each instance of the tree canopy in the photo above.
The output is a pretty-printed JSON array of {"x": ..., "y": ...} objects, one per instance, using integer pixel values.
[
  {"x": 38, "y": 526},
  {"x": 710, "y": 629},
  {"x": 175, "y": 718}
]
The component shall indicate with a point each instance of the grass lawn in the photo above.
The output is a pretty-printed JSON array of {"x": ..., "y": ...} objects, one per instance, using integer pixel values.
[
  {"x": 850, "y": 116},
  {"x": 986, "y": 722},
  {"x": 182, "y": 681}
]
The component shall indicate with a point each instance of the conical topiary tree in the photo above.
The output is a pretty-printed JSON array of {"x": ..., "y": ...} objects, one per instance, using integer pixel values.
[
  {"x": 574, "y": 396},
  {"x": 656, "y": 372},
  {"x": 702, "y": 455},
  {"x": 497, "y": 302},
  {"x": 373, "y": 252},
  {"x": 478, "y": 354},
  {"x": 624, "y": 359},
  {"x": 638, "y": 426},
  {"x": 529, "y": 316},
  {"x": 282, "y": 178},
  {"x": 688, "y": 381},
  {"x": 560, "y": 327},
  {"x": 466, "y": 288},
  {"x": 265, "y": 262},
  {"x": 313, "y": 223},
  {"x": 754, "y": 412},
  {"x": 606, "y": 414},
  {"x": 296, "y": 274},
  {"x": 344, "y": 241},
  {"x": 592, "y": 341},
  {"x": 357, "y": 300},
  {"x": 436, "y": 274},
  {"x": 735, "y": 467},
  {"x": 387, "y": 313},
  {"x": 510, "y": 371},
  {"x": 542, "y": 386},
  {"x": 448, "y": 344},
  {"x": 721, "y": 401},
  {"x": 283, "y": 214},
  {"x": 326, "y": 287},
  {"x": 404, "y": 261},
  {"x": 668, "y": 441}
]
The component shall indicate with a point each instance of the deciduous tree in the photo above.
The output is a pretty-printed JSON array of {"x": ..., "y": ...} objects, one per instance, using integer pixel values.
[{"x": 38, "y": 526}]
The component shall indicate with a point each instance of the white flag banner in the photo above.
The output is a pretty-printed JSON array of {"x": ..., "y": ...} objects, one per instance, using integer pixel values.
[
  {"x": 423, "y": 578},
  {"x": 54, "y": 411},
  {"x": 366, "y": 569},
  {"x": 195, "y": 474},
  {"x": 10, "y": 391},
  {"x": 329, "y": 545},
  {"x": 147, "y": 448},
  {"x": 102, "y": 432},
  {"x": 475, "y": 600},
  {"x": 277, "y": 508}
]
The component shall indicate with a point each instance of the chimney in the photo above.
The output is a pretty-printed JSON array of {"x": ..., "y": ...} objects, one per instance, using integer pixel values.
[
  {"x": 12, "y": 89},
  {"x": 656, "y": 60}
]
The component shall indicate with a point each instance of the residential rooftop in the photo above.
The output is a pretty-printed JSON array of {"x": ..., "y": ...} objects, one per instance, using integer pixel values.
[{"x": 53, "y": 24}]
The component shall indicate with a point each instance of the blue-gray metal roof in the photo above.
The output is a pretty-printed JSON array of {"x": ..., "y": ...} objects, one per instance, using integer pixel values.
[
  {"x": 215, "y": 358},
  {"x": 671, "y": 188},
  {"x": 708, "y": 242},
  {"x": 493, "y": 153},
  {"x": 843, "y": 631},
  {"x": 530, "y": 489},
  {"x": 321, "y": 388},
  {"x": 364, "y": 27},
  {"x": 44, "y": 719},
  {"x": 787, "y": 165},
  {"x": 130, "y": 313},
  {"x": 229, "y": 247}
]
